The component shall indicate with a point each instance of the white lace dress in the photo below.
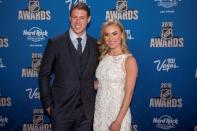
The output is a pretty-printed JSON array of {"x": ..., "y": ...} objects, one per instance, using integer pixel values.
[{"x": 111, "y": 76}]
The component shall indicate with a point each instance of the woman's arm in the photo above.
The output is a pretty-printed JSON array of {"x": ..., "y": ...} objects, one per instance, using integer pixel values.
[{"x": 130, "y": 80}]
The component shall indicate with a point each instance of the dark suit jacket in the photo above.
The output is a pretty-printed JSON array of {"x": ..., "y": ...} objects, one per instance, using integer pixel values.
[{"x": 61, "y": 93}]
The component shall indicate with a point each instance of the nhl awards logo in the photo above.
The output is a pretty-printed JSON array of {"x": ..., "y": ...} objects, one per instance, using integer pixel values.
[
  {"x": 36, "y": 61},
  {"x": 121, "y": 6},
  {"x": 34, "y": 6},
  {"x": 122, "y": 12},
  {"x": 166, "y": 92},
  {"x": 33, "y": 70},
  {"x": 166, "y": 32},
  {"x": 33, "y": 12},
  {"x": 167, "y": 40},
  {"x": 38, "y": 122},
  {"x": 166, "y": 98},
  {"x": 38, "y": 118}
]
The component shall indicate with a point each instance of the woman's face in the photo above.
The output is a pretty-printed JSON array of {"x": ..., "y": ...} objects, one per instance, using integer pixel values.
[{"x": 113, "y": 36}]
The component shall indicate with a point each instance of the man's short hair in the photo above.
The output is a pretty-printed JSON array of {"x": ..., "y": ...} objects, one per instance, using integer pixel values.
[{"x": 80, "y": 6}]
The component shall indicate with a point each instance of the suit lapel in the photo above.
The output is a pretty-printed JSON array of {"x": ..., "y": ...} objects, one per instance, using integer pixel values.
[{"x": 71, "y": 50}]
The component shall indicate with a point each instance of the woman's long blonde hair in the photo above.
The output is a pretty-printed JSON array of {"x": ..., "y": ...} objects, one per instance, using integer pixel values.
[{"x": 103, "y": 48}]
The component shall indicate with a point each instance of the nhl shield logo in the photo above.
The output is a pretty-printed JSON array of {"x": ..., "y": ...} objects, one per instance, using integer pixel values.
[
  {"x": 166, "y": 93},
  {"x": 36, "y": 63},
  {"x": 38, "y": 119},
  {"x": 166, "y": 33},
  {"x": 121, "y": 6},
  {"x": 34, "y": 6}
]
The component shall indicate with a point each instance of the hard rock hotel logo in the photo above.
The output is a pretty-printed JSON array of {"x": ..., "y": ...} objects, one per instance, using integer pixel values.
[
  {"x": 4, "y": 42},
  {"x": 165, "y": 122},
  {"x": 122, "y": 12},
  {"x": 34, "y": 12},
  {"x": 38, "y": 123},
  {"x": 167, "y": 39},
  {"x": 33, "y": 70},
  {"x": 35, "y": 34},
  {"x": 166, "y": 98},
  {"x": 167, "y": 5},
  {"x": 166, "y": 65}
]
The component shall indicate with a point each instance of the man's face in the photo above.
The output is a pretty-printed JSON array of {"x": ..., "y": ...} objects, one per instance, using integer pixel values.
[{"x": 79, "y": 21}]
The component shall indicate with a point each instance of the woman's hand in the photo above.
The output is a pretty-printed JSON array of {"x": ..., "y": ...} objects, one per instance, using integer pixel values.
[{"x": 115, "y": 126}]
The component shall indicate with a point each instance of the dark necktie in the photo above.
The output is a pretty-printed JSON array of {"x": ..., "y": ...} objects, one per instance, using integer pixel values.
[{"x": 79, "y": 48}]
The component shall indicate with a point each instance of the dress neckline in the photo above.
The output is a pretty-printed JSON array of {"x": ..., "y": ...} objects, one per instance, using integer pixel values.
[{"x": 115, "y": 55}]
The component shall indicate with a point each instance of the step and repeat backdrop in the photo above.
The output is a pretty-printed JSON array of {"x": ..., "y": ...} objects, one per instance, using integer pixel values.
[{"x": 162, "y": 36}]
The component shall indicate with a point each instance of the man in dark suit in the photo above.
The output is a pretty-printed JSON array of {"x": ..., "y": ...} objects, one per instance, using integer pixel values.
[{"x": 72, "y": 59}]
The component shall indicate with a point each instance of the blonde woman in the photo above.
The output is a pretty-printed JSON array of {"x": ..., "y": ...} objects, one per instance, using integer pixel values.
[{"x": 116, "y": 77}]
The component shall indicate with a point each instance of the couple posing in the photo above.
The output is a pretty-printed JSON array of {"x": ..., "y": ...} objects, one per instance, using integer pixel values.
[{"x": 74, "y": 62}]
